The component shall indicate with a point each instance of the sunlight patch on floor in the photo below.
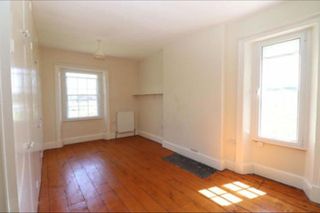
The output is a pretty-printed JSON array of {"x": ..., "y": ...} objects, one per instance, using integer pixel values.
[{"x": 224, "y": 198}]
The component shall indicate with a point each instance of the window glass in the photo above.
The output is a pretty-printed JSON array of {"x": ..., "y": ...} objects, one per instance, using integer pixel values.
[
  {"x": 279, "y": 91},
  {"x": 81, "y": 95}
]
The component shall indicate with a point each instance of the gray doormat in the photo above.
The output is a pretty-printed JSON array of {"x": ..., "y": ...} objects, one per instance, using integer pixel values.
[{"x": 199, "y": 169}]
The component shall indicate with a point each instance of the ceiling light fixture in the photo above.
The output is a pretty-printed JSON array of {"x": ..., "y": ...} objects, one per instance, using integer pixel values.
[{"x": 99, "y": 54}]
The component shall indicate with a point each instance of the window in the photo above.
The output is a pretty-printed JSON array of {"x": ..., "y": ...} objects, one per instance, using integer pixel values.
[
  {"x": 279, "y": 88},
  {"x": 81, "y": 94}
]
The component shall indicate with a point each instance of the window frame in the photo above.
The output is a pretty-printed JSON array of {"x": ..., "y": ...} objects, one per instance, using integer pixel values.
[
  {"x": 64, "y": 95},
  {"x": 303, "y": 102}
]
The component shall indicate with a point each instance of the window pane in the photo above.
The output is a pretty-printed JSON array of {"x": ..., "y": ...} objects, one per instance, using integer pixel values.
[
  {"x": 82, "y": 95},
  {"x": 81, "y": 75},
  {"x": 279, "y": 91},
  {"x": 81, "y": 84}
]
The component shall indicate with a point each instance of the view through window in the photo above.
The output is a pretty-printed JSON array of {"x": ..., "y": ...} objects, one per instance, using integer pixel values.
[
  {"x": 82, "y": 95},
  {"x": 279, "y": 91}
]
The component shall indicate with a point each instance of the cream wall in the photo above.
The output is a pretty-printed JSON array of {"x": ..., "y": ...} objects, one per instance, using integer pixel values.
[
  {"x": 149, "y": 96},
  {"x": 122, "y": 84},
  {"x": 193, "y": 95},
  {"x": 151, "y": 74}
]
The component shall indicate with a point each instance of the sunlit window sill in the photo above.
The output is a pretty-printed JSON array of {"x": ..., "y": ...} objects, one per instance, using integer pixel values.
[{"x": 278, "y": 143}]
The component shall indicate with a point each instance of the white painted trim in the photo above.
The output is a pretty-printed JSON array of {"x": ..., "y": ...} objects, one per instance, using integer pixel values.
[
  {"x": 106, "y": 104},
  {"x": 84, "y": 138},
  {"x": 58, "y": 105},
  {"x": 59, "y": 111},
  {"x": 303, "y": 92},
  {"x": 100, "y": 92},
  {"x": 73, "y": 140},
  {"x": 150, "y": 136},
  {"x": 123, "y": 135},
  {"x": 197, "y": 156},
  {"x": 312, "y": 191},
  {"x": 278, "y": 175},
  {"x": 51, "y": 145},
  {"x": 110, "y": 136}
]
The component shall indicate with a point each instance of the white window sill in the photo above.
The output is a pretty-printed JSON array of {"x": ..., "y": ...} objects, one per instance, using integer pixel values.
[
  {"x": 279, "y": 143},
  {"x": 82, "y": 119}
]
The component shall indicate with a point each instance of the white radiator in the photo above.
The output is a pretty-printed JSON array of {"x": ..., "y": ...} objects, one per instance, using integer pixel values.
[{"x": 125, "y": 122}]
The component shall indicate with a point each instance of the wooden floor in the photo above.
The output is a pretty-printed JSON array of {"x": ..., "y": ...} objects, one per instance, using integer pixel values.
[{"x": 129, "y": 175}]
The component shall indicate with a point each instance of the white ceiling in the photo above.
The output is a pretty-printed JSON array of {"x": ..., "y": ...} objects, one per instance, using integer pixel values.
[{"x": 130, "y": 28}]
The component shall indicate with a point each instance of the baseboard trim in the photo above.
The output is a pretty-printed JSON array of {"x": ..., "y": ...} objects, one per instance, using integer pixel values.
[
  {"x": 229, "y": 164},
  {"x": 72, "y": 140},
  {"x": 110, "y": 136},
  {"x": 268, "y": 172},
  {"x": 51, "y": 145},
  {"x": 84, "y": 138},
  {"x": 150, "y": 136},
  {"x": 205, "y": 159},
  {"x": 312, "y": 191},
  {"x": 278, "y": 175}
]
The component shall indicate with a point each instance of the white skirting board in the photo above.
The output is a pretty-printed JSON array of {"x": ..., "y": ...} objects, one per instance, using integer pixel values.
[
  {"x": 72, "y": 140},
  {"x": 84, "y": 138},
  {"x": 268, "y": 172},
  {"x": 312, "y": 191},
  {"x": 205, "y": 159},
  {"x": 50, "y": 145},
  {"x": 150, "y": 136}
]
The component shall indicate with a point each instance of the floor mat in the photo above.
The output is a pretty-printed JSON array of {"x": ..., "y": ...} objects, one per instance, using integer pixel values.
[{"x": 199, "y": 169}]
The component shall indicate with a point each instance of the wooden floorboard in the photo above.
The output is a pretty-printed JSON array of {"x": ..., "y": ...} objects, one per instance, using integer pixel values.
[{"x": 129, "y": 175}]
